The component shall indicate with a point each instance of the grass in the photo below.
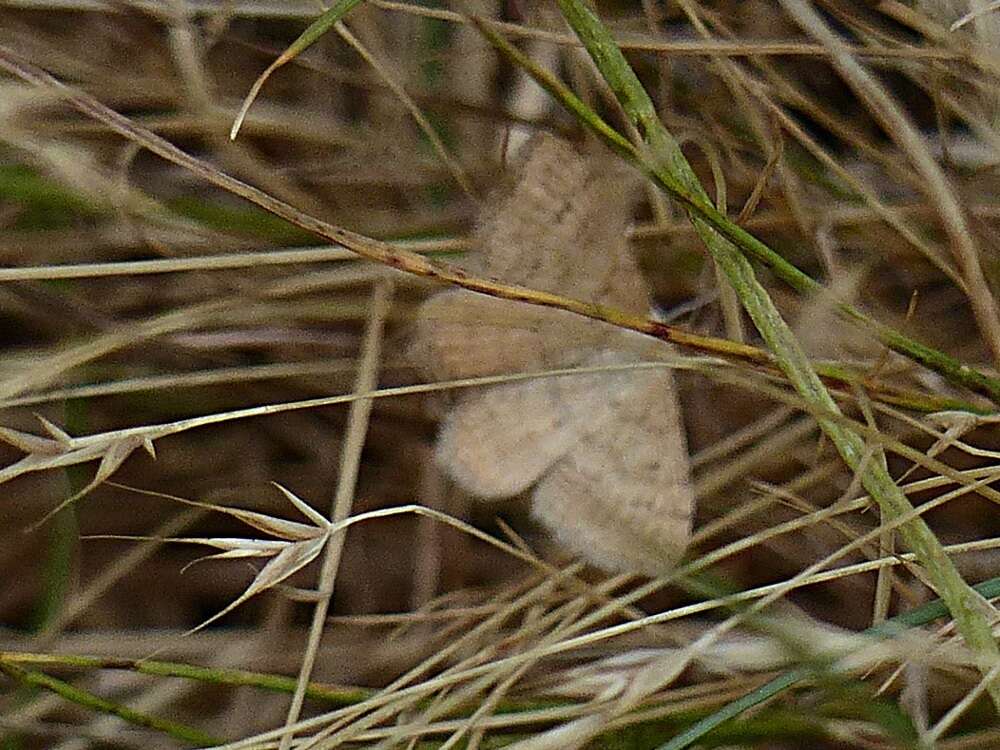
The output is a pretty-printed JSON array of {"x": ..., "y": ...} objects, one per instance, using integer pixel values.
[{"x": 178, "y": 319}]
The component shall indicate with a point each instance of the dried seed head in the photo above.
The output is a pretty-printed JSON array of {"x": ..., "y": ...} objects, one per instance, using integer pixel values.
[{"x": 605, "y": 451}]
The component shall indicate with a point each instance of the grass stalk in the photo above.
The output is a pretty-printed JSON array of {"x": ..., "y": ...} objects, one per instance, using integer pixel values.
[
  {"x": 413, "y": 263},
  {"x": 95, "y": 703},
  {"x": 663, "y": 158},
  {"x": 685, "y": 189},
  {"x": 23, "y": 666}
]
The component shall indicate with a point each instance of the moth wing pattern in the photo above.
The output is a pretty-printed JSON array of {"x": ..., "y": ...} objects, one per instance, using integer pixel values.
[
  {"x": 561, "y": 228},
  {"x": 621, "y": 497},
  {"x": 497, "y": 442},
  {"x": 605, "y": 451},
  {"x": 460, "y": 334}
]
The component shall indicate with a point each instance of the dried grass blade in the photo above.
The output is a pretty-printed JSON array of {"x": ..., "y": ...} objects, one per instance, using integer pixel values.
[
  {"x": 973, "y": 14},
  {"x": 290, "y": 560},
  {"x": 44, "y": 461},
  {"x": 32, "y": 444},
  {"x": 303, "y": 507},
  {"x": 112, "y": 457},
  {"x": 279, "y": 527},
  {"x": 238, "y": 546},
  {"x": 57, "y": 432}
]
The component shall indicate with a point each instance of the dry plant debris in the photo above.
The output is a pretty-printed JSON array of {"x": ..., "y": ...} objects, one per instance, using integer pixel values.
[{"x": 140, "y": 305}]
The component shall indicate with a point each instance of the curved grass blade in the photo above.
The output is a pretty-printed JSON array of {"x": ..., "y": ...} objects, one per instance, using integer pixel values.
[{"x": 305, "y": 40}]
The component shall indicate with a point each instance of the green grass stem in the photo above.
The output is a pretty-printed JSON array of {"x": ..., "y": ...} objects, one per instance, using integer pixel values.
[{"x": 665, "y": 161}]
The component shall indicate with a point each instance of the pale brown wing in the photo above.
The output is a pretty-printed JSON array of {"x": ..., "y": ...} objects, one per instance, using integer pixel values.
[
  {"x": 497, "y": 442},
  {"x": 621, "y": 497},
  {"x": 461, "y": 334},
  {"x": 561, "y": 228}
]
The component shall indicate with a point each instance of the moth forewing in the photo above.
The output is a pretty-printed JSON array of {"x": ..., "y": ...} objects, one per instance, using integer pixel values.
[
  {"x": 621, "y": 497},
  {"x": 461, "y": 334}
]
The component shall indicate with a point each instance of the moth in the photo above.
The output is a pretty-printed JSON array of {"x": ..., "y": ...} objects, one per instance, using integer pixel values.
[{"x": 603, "y": 453}]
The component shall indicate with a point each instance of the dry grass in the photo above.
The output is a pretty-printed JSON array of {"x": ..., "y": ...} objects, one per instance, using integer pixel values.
[{"x": 185, "y": 308}]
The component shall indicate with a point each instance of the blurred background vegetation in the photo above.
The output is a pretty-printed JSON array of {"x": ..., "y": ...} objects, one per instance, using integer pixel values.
[{"x": 804, "y": 161}]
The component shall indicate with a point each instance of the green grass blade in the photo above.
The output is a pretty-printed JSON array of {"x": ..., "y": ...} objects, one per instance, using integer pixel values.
[
  {"x": 664, "y": 162},
  {"x": 315, "y": 30},
  {"x": 920, "y": 616},
  {"x": 667, "y": 163},
  {"x": 93, "y": 702},
  {"x": 558, "y": 90}
]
